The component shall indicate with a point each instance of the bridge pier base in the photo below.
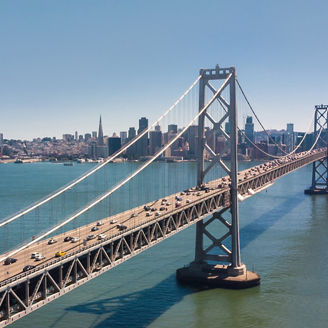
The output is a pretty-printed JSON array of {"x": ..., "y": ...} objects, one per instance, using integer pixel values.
[
  {"x": 217, "y": 276},
  {"x": 311, "y": 191}
]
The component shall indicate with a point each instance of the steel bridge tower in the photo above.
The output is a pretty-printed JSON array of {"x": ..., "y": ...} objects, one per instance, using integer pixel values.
[
  {"x": 225, "y": 269},
  {"x": 320, "y": 168}
]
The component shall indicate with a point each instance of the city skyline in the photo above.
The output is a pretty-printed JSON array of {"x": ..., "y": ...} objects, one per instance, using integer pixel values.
[
  {"x": 115, "y": 58},
  {"x": 92, "y": 131}
]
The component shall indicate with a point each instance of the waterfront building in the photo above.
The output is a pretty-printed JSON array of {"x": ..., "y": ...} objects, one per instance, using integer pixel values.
[{"x": 114, "y": 144}]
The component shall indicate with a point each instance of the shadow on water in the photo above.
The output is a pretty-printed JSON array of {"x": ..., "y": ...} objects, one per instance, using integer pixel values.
[
  {"x": 139, "y": 309},
  {"x": 254, "y": 229},
  {"x": 136, "y": 309}
]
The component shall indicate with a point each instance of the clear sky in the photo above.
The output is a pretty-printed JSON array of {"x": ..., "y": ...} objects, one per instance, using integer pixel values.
[{"x": 63, "y": 63}]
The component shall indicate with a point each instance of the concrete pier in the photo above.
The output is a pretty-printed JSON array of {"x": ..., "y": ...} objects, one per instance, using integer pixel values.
[
  {"x": 312, "y": 191},
  {"x": 218, "y": 276}
]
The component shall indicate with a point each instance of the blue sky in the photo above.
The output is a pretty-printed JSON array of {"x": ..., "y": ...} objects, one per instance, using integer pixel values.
[{"x": 63, "y": 63}]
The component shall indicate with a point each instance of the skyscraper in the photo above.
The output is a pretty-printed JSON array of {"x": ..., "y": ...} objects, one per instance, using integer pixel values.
[
  {"x": 114, "y": 144},
  {"x": 98, "y": 147},
  {"x": 1, "y": 138},
  {"x": 172, "y": 128},
  {"x": 289, "y": 137},
  {"x": 87, "y": 136},
  {"x": 143, "y": 124},
  {"x": 290, "y": 127},
  {"x": 123, "y": 136},
  {"x": 249, "y": 130},
  {"x": 132, "y": 133},
  {"x": 142, "y": 143},
  {"x": 155, "y": 141},
  {"x": 100, "y": 134}
]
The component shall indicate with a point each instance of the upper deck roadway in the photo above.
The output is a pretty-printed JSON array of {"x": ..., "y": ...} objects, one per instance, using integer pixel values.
[{"x": 23, "y": 292}]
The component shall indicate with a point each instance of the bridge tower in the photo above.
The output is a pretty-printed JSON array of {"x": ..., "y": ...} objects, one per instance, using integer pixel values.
[
  {"x": 225, "y": 269},
  {"x": 320, "y": 168}
]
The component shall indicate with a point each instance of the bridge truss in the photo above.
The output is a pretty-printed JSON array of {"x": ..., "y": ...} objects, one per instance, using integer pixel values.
[{"x": 320, "y": 168}]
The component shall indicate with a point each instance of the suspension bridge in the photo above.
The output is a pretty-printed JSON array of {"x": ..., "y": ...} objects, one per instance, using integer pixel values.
[{"x": 75, "y": 244}]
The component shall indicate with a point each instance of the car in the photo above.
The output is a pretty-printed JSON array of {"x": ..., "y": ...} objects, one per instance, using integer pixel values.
[
  {"x": 52, "y": 241},
  {"x": 39, "y": 257},
  {"x": 188, "y": 193},
  {"x": 164, "y": 200},
  {"x": 10, "y": 260},
  {"x": 28, "y": 267},
  {"x": 94, "y": 229},
  {"x": 132, "y": 215},
  {"x": 34, "y": 254},
  {"x": 177, "y": 204},
  {"x": 60, "y": 253},
  {"x": 207, "y": 190},
  {"x": 91, "y": 237},
  {"x": 198, "y": 194},
  {"x": 187, "y": 201},
  {"x": 147, "y": 208},
  {"x": 162, "y": 208},
  {"x": 101, "y": 236},
  {"x": 121, "y": 227},
  {"x": 182, "y": 193},
  {"x": 168, "y": 204},
  {"x": 100, "y": 223},
  {"x": 68, "y": 238},
  {"x": 163, "y": 203},
  {"x": 75, "y": 239},
  {"x": 153, "y": 209},
  {"x": 157, "y": 213},
  {"x": 178, "y": 198},
  {"x": 148, "y": 214},
  {"x": 113, "y": 221}
]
